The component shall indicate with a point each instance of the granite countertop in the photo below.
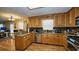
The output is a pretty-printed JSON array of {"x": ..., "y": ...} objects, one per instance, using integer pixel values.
[
  {"x": 55, "y": 33},
  {"x": 23, "y": 34},
  {"x": 72, "y": 35}
]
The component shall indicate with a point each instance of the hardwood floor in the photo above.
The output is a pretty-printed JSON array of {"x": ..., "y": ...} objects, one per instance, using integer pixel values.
[
  {"x": 7, "y": 45},
  {"x": 44, "y": 47}
]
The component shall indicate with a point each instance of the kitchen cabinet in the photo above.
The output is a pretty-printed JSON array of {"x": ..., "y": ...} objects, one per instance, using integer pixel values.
[
  {"x": 23, "y": 41},
  {"x": 37, "y": 22},
  {"x": 34, "y": 22},
  {"x": 60, "y": 20},
  {"x": 50, "y": 39},
  {"x": 72, "y": 17},
  {"x": 56, "y": 20},
  {"x": 54, "y": 39},
  {"x": 67, "y": 20},
  {"x": 44, "y": 38},
  {"x": 76, "y": 11},
  {"x": 31, "y": 22}
]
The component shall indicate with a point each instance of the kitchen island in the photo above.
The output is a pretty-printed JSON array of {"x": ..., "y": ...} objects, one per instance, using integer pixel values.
[{"x": 22, "y": 41}]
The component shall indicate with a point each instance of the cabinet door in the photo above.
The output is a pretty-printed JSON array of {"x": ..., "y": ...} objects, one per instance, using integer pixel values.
[
  {"x": 72, "y": 17},
  {"x": 63, "y": 41},
  {"x": 44, "y": 38},
  {"x": 37, "y": 22},
  {"x": 31, "y": 22},
  {"x": 34, "y": 22},
  {"x": 60, "y": 40},
  {"x": 19, "y": 43},
  {"x": 67, "y": 20},
  {"x": 65, "y": 44},
  {"x": 53, "y": 39},
  {"x": 56, "y": 20},
  {"x": 62, "y": 20},
  {"x": 76, "y": 11},
  {"x": 59, "y": 20}
]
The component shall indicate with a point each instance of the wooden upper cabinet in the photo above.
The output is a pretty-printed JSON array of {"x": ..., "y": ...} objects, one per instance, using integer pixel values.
[
  {"x": 67, "y": 20},
  {"x": 31, "y": 22},
  {"x": 56, "y": 20},
  {"x": 59, "y": 20},
  {"x": 34, "y": 22},
  {"x": 76, "y": 11},
  {"x": 38, "y": 22},
  {"x": 62, "y": 20},
  {"x": 72, "y": 17}
]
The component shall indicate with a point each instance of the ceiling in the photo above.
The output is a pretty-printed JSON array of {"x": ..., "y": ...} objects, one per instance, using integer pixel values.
[{"x": 25, "y": 11}]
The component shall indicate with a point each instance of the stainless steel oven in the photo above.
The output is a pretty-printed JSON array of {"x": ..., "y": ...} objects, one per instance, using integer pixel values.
[{"x": 74, "y": 41}]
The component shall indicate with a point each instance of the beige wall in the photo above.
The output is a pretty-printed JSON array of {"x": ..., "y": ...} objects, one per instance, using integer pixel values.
[{"x": 18, "y": 21}]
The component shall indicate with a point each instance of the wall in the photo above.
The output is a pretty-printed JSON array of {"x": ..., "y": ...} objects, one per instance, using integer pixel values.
[{"x": 18, "y": 23}]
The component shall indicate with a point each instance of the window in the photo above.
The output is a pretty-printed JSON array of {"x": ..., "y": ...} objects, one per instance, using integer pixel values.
[{"x": 47, "y": 24}]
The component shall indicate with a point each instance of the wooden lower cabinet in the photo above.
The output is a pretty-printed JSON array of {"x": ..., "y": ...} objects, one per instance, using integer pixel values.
[
  {"x": 50, "y": 39},
  {"x": 44, "y": 38},
  {"x": 22, "y": 42},
  {"x": 65, "y": 44},
  {"x": 54, "y": 39}
]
